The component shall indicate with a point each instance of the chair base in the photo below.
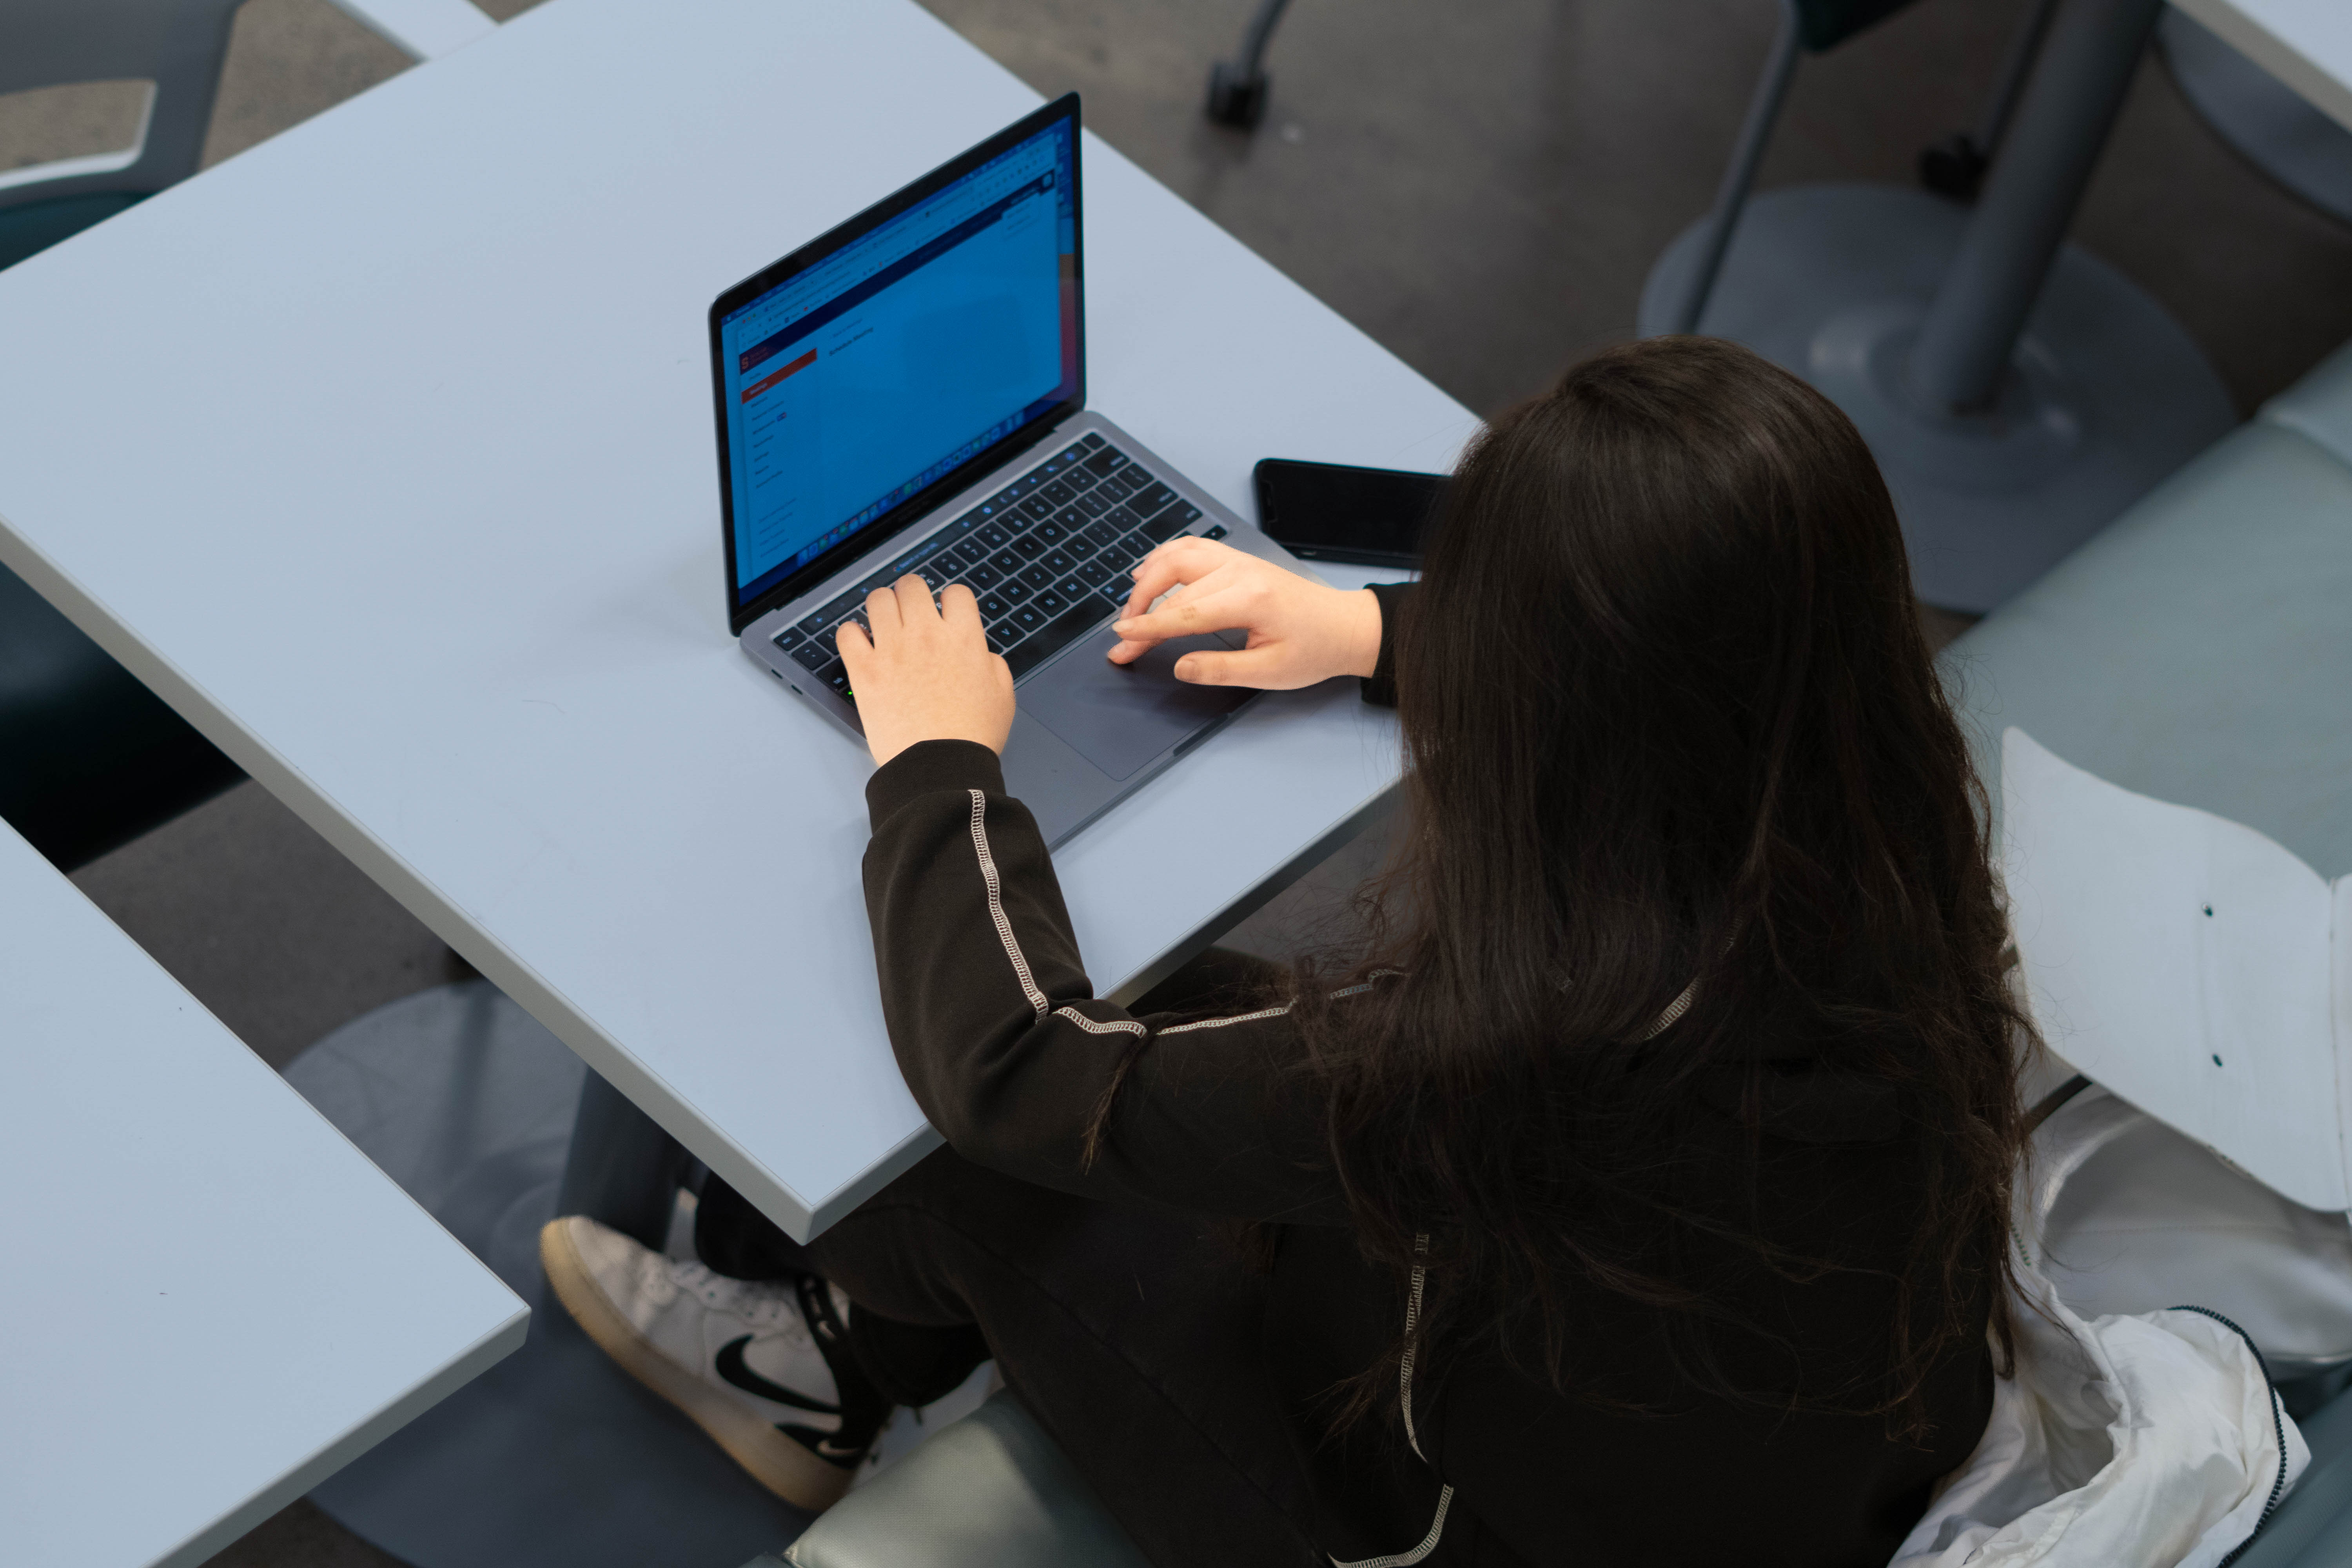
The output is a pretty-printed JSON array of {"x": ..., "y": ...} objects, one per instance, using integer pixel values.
[
  {"x": 2267, "y": 122},
  {"x": 2106, "y": 393},
  {"x": 555, "y": 1455}
]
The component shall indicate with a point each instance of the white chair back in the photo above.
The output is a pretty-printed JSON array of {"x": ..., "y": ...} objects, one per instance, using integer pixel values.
[{"x": 177, "y": 45}]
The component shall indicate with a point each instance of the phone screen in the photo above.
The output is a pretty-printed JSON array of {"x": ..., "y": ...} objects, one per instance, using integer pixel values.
[{"x": 1323, "y": 511}]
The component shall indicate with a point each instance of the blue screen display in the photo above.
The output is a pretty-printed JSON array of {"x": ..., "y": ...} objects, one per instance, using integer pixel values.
[{"x": 899, "y": 357}]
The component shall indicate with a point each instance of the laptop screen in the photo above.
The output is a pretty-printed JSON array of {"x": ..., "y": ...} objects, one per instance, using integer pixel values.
[{"x": 893, "y": 360}]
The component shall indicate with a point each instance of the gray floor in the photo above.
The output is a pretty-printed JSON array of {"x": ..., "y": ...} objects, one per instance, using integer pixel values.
[{"x": 1480, "y": 187}]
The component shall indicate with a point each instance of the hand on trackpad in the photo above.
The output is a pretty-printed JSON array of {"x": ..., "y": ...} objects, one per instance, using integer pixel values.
[{"x": 1119, "y": 717}]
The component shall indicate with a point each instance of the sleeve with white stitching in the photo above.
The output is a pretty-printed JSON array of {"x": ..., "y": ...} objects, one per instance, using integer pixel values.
[{"x": 1009, "y": 1051}]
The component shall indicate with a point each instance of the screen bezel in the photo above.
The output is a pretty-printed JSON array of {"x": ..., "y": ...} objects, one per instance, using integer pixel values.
[{"x": 742, "y": 613}]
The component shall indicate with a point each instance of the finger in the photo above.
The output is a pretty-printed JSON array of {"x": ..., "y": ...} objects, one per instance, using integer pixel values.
[
  {"x": 1259, "y": 668},
  {"x": 915, "y": 600},
  {"x": 853, "y": 648},
  {"x": 1202, "y": 608},
  {"x": 1178, "y": 561},
  {"x": 960, "y": 608},
  {"x": 882, "y": 609}
]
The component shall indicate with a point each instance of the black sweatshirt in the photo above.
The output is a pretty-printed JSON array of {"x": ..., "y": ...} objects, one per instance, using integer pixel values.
[{"x": 1009, "y": 1052}]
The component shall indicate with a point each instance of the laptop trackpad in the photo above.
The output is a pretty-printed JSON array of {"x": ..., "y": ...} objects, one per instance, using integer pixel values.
[{"x": 1119, "y": 717}]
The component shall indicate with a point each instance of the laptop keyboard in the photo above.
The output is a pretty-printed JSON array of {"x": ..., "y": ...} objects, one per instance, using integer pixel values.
[{"x": 1047, "y": 558}]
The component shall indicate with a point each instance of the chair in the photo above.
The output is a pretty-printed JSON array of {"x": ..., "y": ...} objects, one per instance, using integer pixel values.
[
  {"x": 987, "y": 1491},
  {"x": 90, "y": 758}
]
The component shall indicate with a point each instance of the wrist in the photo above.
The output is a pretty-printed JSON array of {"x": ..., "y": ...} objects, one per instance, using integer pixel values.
[{"x": 1363, "y": 632}]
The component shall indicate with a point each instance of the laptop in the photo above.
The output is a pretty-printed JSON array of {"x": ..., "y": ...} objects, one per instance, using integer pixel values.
[{"x": 908, "y": 395}]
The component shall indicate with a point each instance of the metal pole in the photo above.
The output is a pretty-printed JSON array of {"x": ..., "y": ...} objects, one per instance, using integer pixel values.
[
  {"x": 2062, "y": 124},
  {"x": 1763, "y": 110},
  {"x": 2025, "y": 49},
  {"x": 622, "y": 1169}
]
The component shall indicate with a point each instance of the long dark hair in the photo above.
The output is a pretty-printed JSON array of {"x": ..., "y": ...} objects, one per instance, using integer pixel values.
[{"x": 1670, "y": 726}]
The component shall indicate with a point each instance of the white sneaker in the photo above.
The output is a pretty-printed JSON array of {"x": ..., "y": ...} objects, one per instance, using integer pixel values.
[{"x": 764, "y": 1368}]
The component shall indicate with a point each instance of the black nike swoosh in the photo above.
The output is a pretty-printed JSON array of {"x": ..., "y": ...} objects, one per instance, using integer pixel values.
[{"x": 731, "y": 1367}]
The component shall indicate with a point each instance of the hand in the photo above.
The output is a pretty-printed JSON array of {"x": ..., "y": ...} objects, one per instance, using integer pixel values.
[
  {"x": 927, "y": 673},
  {"x": 1300, "y": 632}
]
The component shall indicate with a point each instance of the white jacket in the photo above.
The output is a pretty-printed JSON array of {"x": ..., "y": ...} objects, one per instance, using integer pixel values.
[{"x": 2151, "y": 1440}]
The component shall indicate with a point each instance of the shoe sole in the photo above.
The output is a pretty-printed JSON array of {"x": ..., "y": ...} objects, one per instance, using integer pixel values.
[{"x": 768, "y": 1456}]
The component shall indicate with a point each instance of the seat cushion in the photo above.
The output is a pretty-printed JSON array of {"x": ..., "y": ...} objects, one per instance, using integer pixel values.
[
  {"x": 2198, "y": 649},
  {"x": 990, "y": 1491},
  {"x": 2320, "y": 405}
]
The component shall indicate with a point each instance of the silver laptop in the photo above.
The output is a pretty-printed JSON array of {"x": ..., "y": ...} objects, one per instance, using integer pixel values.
[{"x": 908, "y": 394}]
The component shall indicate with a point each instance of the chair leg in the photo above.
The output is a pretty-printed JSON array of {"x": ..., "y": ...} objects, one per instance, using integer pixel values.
[
  {"x": 1237, "y": 87},
  {"x": 1763, "y": 110}
]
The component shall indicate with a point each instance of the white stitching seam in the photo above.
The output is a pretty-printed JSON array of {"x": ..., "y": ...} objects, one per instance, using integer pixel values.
[
  {"x": 1428, "y": 1543},
  {"x": 1221, "y": 1022},
  {"x": 1404, "y": 1393},
  {"x": 1675, "y": 1009},
  {"x": 1096, "y": 1027},
  {"x": 996, "y": 903}
]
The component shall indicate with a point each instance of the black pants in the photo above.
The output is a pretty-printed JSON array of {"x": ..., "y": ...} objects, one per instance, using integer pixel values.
[{"x": 1130, "y": 1335}]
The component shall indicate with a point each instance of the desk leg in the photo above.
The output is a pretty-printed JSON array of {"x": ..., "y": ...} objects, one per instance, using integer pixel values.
[
  {"x": 2069, "y": 105},
  {"x": 622, "y": 1169},
  {"x": 555, "y": 1455},
  {"x": 2018, "y": 392}
]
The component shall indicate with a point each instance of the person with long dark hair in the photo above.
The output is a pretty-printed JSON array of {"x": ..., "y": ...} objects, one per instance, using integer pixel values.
[{"x": 1635, "y": 1191}]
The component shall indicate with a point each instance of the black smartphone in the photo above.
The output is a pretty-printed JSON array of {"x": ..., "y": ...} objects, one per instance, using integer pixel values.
[{"x": 1324, "y": 511}]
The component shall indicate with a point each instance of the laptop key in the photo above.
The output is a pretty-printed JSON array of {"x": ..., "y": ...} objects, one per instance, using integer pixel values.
[
  {"x": 1102, "y": 533},
  {"x": 1113, "y": 488},
  {"x": 994, "y": 607},
  {"x": 1029, "y": 547},
  {"x": 1135, "y": 475},
  {"x": 790, "y": 638},
  {"x": 1094, "y": 439},
  {"x": 1048, "y": 603},
  {"x": 1155, "y": 498},
  {"x": 1037, "y": 577},
  {"x": 1094, "y": 574},
  {"x": 971, "y": 552},
  {"x": 1024, "y": 618},
  {"x": 1037, "y": 507},
  {"x": 1006, "y": 561},
  {"x": 812, "y": 656},
  {"x": 835, "y": 675},
  {"x": 992, "y": 534},
  {"x": 1078, "y": 546},
  {"x": 1095, "y": 505},
  {"x": 1058, "y": 492},
  {"x": 983, "y": 578},
  {"x": 1170, "y": 524},
  {"x": 1106, "y": 461},
  {"x": 1058, "y": 561},
  {"x": 1011, "y": 591},
  {"x": 1070, "y": 588}
]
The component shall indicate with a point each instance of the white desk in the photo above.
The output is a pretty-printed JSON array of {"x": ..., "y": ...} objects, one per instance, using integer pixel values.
[
  {"x": 213, "y": 1300},
  {"x": 383, "y": 452},
  {"x": 2306, "y": 44}
]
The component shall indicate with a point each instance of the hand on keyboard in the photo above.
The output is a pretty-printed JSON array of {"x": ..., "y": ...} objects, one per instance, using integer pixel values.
[
  {"x": 1300, "y": 632},
  {"x": 926, "y": 673}
]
